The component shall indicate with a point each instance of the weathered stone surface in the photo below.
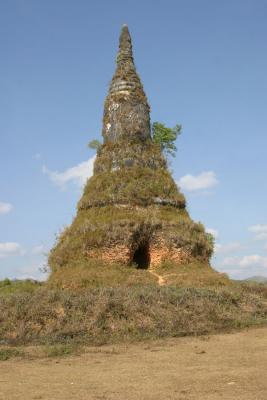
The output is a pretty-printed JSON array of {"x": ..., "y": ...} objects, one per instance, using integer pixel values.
[
  {"x": 120, "y": 254},
  {"x": 159, "y": 254},
  {"x": 126, "y": 111},
  {"x": 131, "y": 210}
]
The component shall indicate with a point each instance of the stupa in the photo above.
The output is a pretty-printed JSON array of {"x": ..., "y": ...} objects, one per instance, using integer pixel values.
[{"x": 131, "y": 210}]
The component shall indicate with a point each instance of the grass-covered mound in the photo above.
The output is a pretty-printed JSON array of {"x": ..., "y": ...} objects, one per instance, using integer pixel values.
[
  {"x": 107, "y": 315},
  {"x": 96, "y": 274}
]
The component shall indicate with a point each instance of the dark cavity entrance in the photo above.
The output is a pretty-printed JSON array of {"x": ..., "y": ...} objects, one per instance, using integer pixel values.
[{"x": 141, "y": 256}]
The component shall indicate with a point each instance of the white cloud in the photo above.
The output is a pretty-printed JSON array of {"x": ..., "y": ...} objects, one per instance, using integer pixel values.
[
  {"x": 77, "y": 174},
  {"x": 205, "y": 180},
  {"x": 10, "y": 249},
  {"x": 258, "y": 228},
  {"x": 227, "y": 248},
  {"x": 5, "y": 208},
  {"x": 261, "y": 236},
  {"x": 260, "y": 231},
  {"x": 231, "y": 261},
  {"x": 253, "y": 260},
  {"x": 36, "y": 250},
  {"x": 213, "y": 232}
]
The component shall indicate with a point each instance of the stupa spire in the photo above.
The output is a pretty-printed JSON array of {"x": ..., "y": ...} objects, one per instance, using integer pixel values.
[
  {"x": 125, "y": 53},
  {"x": 126, "y": 110}
]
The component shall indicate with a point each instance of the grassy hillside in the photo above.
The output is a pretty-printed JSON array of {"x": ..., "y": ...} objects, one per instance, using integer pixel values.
[{"x": 136, "y": 309}]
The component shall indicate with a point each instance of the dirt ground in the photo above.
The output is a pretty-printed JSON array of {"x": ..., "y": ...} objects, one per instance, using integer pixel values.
[{"x": 228, "y": 366}]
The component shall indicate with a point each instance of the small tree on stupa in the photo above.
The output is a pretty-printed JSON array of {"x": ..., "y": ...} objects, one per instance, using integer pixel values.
[{"x": 131, "y": 210}]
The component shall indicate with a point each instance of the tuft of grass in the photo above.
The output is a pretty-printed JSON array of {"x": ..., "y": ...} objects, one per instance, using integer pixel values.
[
  {"x": 7, "y": 353},
  {"x": 61, "y": 350}
]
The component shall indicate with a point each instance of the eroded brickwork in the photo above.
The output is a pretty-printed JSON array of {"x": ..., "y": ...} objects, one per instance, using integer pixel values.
[
  {"x": 117, "y": 254},
  {"x": 158, "y": 254},
  {"x": 122, "y": 254}
]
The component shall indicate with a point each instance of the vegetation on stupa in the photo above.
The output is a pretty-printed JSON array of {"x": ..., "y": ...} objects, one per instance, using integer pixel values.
[
  {"x": 131, "y": 210},
  {"x": 166, "y": 137}
]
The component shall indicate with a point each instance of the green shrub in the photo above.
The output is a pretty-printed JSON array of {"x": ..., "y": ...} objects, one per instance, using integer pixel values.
[
  {"x": 166, "y": 137},
  {"x": 60, "y": 350}
]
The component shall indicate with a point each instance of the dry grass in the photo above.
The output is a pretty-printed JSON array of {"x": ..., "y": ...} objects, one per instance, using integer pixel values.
[
  {"x": 194, "y": 274},
  {"x": 113, "y": 303},
  {"x": 108, "y": 315},
  {"x": 96, "y": 274},
  {"x": 137, "y": 185}
]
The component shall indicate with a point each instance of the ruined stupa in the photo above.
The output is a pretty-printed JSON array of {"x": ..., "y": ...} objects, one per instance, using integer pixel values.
[{"x": 131, "y": 211}]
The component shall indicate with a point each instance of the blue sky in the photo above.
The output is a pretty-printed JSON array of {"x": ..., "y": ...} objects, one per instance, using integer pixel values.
[{"x": 203, "y": 64}]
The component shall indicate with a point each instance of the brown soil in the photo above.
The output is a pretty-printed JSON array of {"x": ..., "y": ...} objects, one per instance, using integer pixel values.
[{"x": 229, "y": 366}]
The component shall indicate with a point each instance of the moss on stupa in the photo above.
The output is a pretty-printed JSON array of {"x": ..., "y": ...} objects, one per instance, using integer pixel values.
[{"x": 131, "y": 204}]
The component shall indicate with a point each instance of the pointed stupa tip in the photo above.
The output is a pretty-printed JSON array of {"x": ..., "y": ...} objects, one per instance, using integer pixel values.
[
  {"x": 126, "y": 111},
  {"x": 125, "y": 34},
  {"x": 125, "y": 46}
]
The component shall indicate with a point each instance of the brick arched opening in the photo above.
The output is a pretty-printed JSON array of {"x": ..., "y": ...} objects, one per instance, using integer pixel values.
[{"x": 141, "y": 256}]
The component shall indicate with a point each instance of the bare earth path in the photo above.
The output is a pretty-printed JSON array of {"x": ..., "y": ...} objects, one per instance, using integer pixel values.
[
  {"x": 161, "y": 280},
  {"x": 230, "y": 366}
]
